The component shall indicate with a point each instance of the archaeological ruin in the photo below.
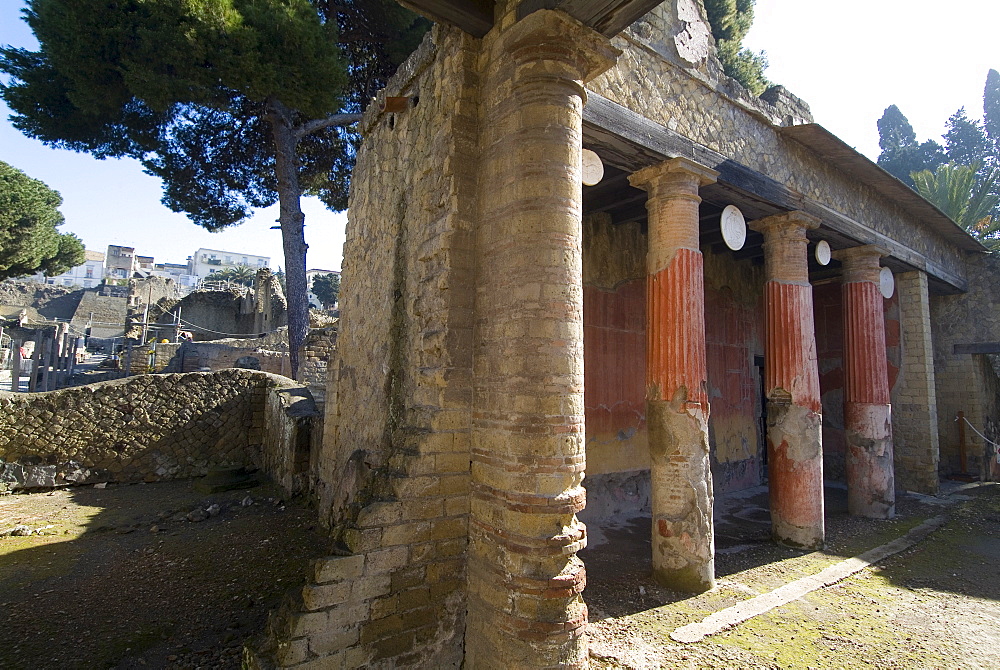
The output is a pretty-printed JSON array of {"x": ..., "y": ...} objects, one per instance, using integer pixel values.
[
  {"x": 588, "y": 277},
  {"x": 520, "y": 354}
]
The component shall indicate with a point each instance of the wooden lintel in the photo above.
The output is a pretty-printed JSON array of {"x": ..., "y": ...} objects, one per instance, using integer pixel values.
[
  {"x": 473, "y": 16},
  {"x": 978, "y": 348},
  {"x": 608, "y": 17},
  {"x": 629, "y": 141}
]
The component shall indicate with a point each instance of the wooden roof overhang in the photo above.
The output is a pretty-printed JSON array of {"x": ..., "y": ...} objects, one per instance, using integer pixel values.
[
  {"x": 627, "y": 141},
  {"x": 608, "y": 17}
]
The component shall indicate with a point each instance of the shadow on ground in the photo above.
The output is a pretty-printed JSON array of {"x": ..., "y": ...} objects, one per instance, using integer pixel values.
[
  {"x": 121, "y": 577},
  {"x": 619, "y": 580}
]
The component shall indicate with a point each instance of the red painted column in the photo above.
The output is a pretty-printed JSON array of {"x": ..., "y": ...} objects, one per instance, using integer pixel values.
[
  {"x": 791, "y": 383},
  {"x": 676, "y": 378},
  {"x": 867, "y": 415}
]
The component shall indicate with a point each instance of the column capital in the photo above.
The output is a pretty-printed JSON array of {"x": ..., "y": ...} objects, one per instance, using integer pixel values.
[
  {"x": 791, "y": 224},
  {"x": 785, "y": 245},
  {"x": 556, "y": 37},
  {"x": 860, "y": 263},
  {"x": 676, "y": 177}
]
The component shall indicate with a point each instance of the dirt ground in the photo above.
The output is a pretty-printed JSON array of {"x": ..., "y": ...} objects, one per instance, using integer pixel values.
[
  {"x": 121, "y": 578},
  {"x": 936, "y": 605}
]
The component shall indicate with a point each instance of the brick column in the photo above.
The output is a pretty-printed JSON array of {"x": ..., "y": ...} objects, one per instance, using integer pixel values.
[
  {"x": 677, "y": 377},
  {"x": 525, "y": 580},
  {"x": 791, "y": 383},
  {"x": 914, "y": 399},
  {"x": 867, "y": 417}
]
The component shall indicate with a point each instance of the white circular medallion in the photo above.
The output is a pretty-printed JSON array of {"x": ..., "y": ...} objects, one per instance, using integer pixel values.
[
  {"x": 593, "y": 168},
  {"x": 823, "y": 254},
  {"x": 734, "y": 227},
  {"x": 886, "y": 283}
]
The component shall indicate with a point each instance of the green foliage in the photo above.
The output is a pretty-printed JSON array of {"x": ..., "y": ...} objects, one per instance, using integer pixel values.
[
  {"x": 327, "y": 288},
  {"x": 233, "y": 104},
  {"x": 731, "y": 21},
  {"x": 901, "y": 153},
  {"x": 963, "y": 179},
  {"x": 241, "y": 274},
  {"x": 967, "y": 196},
  {"x": 991, "y": 109},
  {"x": 965, "y": 140},
  {"x": 29, "y": 218}
]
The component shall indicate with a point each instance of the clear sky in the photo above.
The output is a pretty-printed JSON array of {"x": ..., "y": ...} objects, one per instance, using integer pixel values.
[{"x": 848, "y": 59}]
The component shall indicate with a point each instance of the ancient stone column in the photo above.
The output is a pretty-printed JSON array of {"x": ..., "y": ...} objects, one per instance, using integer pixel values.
[
  {"x": 525, "y": 580},
  {"x": 791, "y": 384},
  {"x": 677, "y": 377},
  {"x": 867, "y": 419}
]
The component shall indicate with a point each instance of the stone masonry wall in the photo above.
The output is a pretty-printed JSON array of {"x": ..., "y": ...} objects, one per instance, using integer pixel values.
[
  {"x": 960, "y": 379},
  {"x": 395, "y": 467},
  {"x": 695, "y": 100},
  {"x": 153, "y": 427}
]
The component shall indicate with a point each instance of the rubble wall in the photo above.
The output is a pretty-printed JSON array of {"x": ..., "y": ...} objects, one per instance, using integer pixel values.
[{"x": 155, "y": 427}]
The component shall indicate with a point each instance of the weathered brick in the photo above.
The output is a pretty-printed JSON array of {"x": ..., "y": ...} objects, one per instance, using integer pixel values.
[{"x": 338, "y": 568}]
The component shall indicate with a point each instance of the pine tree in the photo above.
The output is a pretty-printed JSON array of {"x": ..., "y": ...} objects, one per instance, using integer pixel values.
[
  {"x": 234, "y": 104},
  {"x": 901, "y": 153},
  {"x": 731, "y": 20},
  {"x": 29, "y": 218}
]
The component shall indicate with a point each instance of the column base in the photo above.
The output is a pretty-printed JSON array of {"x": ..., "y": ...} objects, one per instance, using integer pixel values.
[
  {"x": 795, "y": 476},
  {"x": 683, "y": 532},
  {"x": 870, "y": 481}
]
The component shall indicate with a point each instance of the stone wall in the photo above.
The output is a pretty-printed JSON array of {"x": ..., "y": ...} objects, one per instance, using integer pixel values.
[
  {"x": 268, "y": 353},
  {"x": 212, "y": 315},
  {"x": 153, "y": 427},
  {"x": 687, "y": 94},
  {"x": 961, "y": 379},
  {"x": 395, "y": 468},
  {"x": 105, "y": 312}
]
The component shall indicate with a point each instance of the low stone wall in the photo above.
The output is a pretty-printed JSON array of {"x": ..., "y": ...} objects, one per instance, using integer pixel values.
[{"x": 153, "y": 427}]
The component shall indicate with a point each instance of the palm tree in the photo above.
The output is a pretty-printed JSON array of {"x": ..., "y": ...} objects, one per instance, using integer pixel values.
[
  {"x": 971, "y": 202},
  {"x": 241, "y": 274}
]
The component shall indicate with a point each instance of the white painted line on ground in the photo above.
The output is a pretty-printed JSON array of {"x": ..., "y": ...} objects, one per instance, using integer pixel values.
[{"x": 737, "y": 614}]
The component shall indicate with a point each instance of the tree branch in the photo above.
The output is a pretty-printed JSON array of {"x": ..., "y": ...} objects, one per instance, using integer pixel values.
[{"x": 311, "y": 127}]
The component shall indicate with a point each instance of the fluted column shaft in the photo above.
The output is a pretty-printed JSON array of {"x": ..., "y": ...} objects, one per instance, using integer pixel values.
[
  {"x": 867, "y": 412},
  {"x": 791, "y": 384},
  {"x": 677, "y": 378},
  {"x": 525, "y": 580}
]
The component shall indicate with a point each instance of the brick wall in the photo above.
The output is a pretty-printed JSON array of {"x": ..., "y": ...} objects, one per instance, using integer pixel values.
[{"x": 394, "y": 469}]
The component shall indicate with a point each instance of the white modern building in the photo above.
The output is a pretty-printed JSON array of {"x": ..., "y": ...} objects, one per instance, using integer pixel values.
[
  {"x": 312, "y": 274},
  {"x": 179, "y": 272},
  {"x": 206, "y": 262},
  {"x": 87, "y": 275}
]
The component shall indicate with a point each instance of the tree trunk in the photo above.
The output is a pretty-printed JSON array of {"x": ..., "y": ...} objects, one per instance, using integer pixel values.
[{"x": 292, "y": 222}]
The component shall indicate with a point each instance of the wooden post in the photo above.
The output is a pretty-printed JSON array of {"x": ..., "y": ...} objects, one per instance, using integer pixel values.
[
  {"x": 963, "y": 457},
  {"x": 48, "y": 353},
  {"x": 36, "y": 362},
  {"x": 15, "y": 366}
]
